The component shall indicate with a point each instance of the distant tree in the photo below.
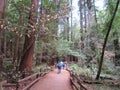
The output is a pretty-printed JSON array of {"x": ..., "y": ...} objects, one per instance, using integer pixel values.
[{"x": 80, "y": 3}]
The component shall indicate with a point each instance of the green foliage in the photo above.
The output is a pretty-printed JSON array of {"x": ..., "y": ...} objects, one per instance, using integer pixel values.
[
  {"x": 38, "y": 68},
  {"x": 8, "y": 65},
  {"x": 104, "y": 87},
  {"x": 116, "y": 71},
  {"x": 60, "y": 47},
  {"x": 63, "y": 47},
  {"x": 109, "y": 70},
  {"x": 12, "y": 76},
  {"x": 106, "y": 17},
  {"x": 81, "y": 71},
  {"x": 9, "y": 72},
  {"x": 39, "y": 45},
  {"x": 74, "y": 67},
  {"x": 107, "y": 67},
  {"x": 48, "y": 4}
]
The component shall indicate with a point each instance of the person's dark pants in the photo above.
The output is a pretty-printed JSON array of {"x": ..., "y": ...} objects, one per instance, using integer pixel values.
[{"x": 59, "y": 69}]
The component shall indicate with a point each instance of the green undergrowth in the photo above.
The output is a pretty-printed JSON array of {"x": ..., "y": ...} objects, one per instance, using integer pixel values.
[
  {"x": 105, "y": 87},
  {"x": 8, "y": 65},
  {"x": 80, "y": 70},
  {"x": 109, "y": 70},
  {"x": 83, "y": 71},
  {"x": 38, "y": 68}
]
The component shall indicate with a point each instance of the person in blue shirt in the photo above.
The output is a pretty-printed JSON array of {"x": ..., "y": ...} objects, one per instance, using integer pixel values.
[{"x": 60, "y": 66}]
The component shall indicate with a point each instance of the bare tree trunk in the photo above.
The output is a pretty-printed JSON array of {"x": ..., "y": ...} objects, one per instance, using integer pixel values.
[
  {"x": 68, "y": 28},
  {"x": 81, "y": 24},
  {"x": 85, "y": 17},
  {"x": 90, "y": 16},
  {"x": 105, "y": 41},
  {"x": 15, "y": 56},
  {"x": 117, "y": 49},
  {"x": 95, "y": 13},
  {"x": 3, "y": 6},
  {"x": 71, "y": 17},
  {"x": 17, "y": 39},
  {"x": 28, "y": 50}
]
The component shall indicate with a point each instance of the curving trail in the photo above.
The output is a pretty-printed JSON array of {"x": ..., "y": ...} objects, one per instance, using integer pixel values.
[{"x": 54, "y": 81}]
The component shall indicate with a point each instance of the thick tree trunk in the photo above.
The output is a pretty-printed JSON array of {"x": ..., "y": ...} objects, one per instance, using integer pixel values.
[
  {"x": 28, "y": 50},
  {"x": 105, "y": 41}
]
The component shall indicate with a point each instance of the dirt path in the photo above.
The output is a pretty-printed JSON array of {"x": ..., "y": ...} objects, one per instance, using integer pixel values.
[{"x": 54, "y": 81}]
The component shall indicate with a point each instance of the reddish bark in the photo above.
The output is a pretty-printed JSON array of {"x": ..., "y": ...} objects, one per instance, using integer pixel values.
[
  {"x": 72, "y": 58},
  {"x": 28, "y": 50},
  {"x": 1, "y": 8},
  {"x": 3, "y": 5}
]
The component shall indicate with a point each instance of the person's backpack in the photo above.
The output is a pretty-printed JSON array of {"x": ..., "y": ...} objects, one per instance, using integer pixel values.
[{"x": 60, "y": 64}]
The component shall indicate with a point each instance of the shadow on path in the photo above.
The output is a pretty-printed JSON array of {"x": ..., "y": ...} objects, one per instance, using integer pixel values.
[{"x": 54, "y": 81}]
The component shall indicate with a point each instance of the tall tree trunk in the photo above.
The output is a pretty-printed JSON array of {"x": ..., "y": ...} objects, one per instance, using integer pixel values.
[
  {"x": 15, "y": 57},
  {"x": 105, "y": 41},
  {"x": 68, "y": 28},
  {"x": 81, "y": 24},
  {"x": 117, "y": 49},
  {"x": 16, "y": 48},
  {"x": 71, "y": 17},
  {"x": 85, "y": 17},
  {"x": 95, "y": 13},
  {"x": 28, "y": 50},
  {"x": 3, "y": 6}
]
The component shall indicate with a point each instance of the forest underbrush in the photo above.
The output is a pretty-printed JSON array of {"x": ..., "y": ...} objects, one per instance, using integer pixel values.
[{"x": 109, "y": 78}]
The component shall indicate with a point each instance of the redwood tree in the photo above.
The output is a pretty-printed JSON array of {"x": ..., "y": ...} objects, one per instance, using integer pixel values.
[{"x": 28, "y": 50}]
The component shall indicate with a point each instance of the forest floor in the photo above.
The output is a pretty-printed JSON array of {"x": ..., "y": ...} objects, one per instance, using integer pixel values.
[{"x": 54, "y": 81}]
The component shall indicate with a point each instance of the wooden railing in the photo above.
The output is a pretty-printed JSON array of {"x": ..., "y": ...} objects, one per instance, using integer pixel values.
[
  {"x": 1, "y": 83},
  {"x": 25, "y": 83},
  {"x": 76, "y": 82}
]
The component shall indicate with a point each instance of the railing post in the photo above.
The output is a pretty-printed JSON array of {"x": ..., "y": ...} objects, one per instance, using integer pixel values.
[{"x": 17, "y": 85}]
